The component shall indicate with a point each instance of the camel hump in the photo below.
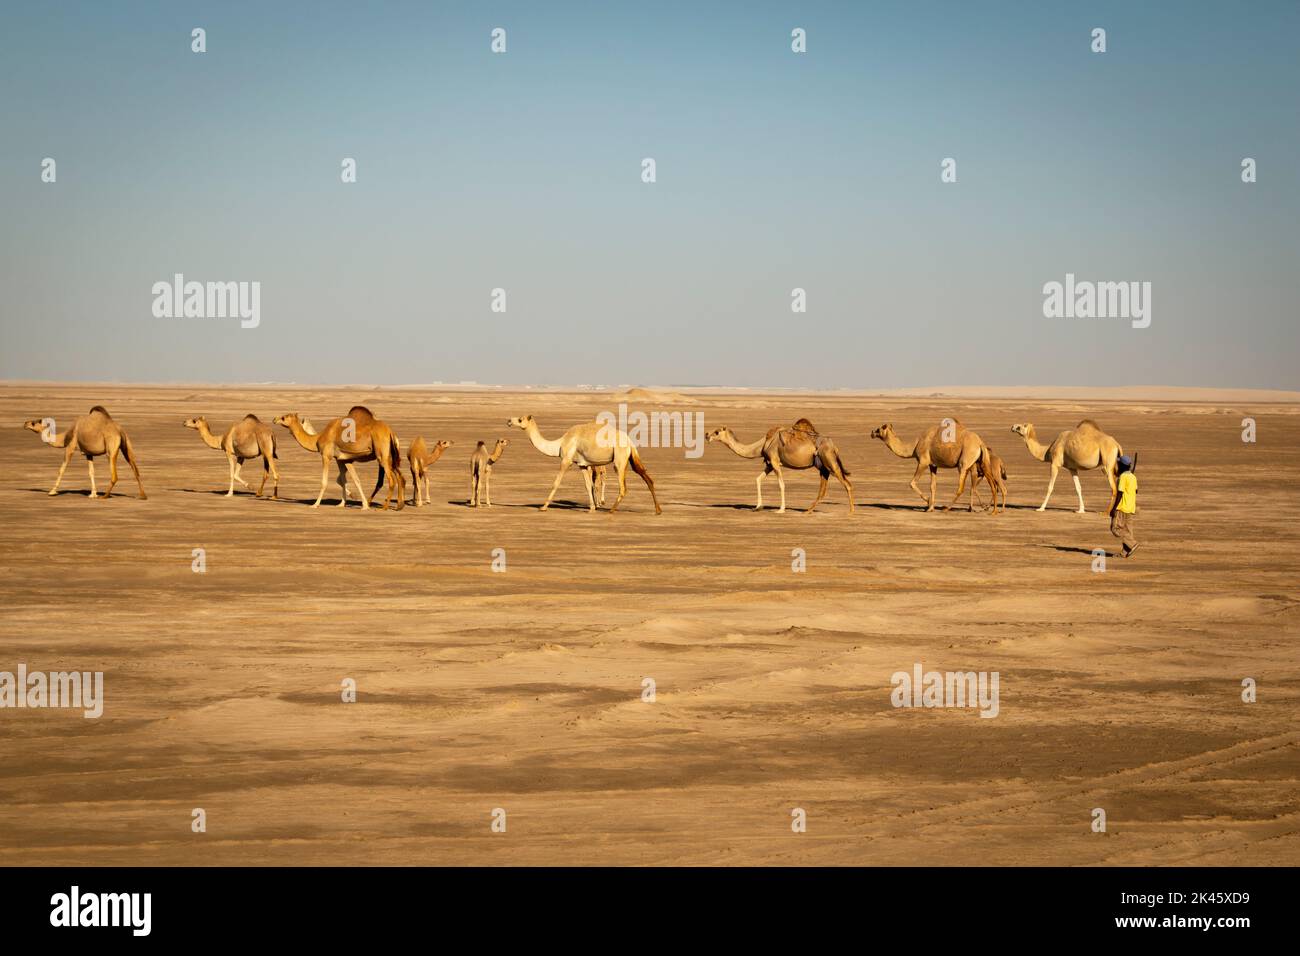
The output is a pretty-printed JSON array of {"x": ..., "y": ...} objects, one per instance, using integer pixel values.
[
  {"x": 1088, "y": 423},
  {"x": 252, "y": 418},
  {"x": 360, "y": 413},
  {"x": 803, "y": 425},
  {"x": 99, "y": 410}
]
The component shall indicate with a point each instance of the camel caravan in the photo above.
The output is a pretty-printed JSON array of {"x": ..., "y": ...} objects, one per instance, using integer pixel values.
[{"x": 595, "y": 448}]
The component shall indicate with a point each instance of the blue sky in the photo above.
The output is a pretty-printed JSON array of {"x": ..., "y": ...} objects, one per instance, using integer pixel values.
[{"x": 775, "y": 171}]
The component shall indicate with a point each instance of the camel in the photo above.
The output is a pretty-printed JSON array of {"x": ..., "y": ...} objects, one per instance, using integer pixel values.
[
  {"x": 798, "y": 447},
  {"x": 995, "y": 473},
  {"x": 589, "y": 446},
  {"x": 245, "y": 439},
  {"x": 480, "y": 472},
  {"x": 93, "y": 434},
  {"x": 930, "y": 451},
  {"x": 1082, "y": 448},
  {"x": 372, "y": 440},
  {"x": 420, "y": 458}
]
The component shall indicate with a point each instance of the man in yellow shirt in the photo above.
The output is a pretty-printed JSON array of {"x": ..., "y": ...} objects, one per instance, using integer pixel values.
[{"x": 1124, "y": 507}]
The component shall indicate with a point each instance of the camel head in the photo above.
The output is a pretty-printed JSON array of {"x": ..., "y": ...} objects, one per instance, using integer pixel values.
[
  {"x": 525, "y": 422},
  {"x": 287, "y": 420},
  {"x": 716, "y": 434},
  {"x": 1024, "y": 431},
  {"x": 198, "y": 422},
  {"x": 883, "y": 432},
  {"x": 443, "y": 445},
  {"x": 35, "y": 425}
]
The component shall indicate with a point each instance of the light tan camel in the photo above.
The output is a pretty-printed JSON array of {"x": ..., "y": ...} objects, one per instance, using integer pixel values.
[
  {"x": 995, "y": 473},
  {"x": 480, "y": 472},
  {"x": 798, "y": 447},
  {"x": 1081, "y": 448},
  {"x": 92, "y": 435},
  {"x": 248, "y": 438},
  {"x": 358, "y": 436},
  {"x": 589, "y": 446},
  {"x": 932, "y": 452},
  {"x": 420, "y": 458}
]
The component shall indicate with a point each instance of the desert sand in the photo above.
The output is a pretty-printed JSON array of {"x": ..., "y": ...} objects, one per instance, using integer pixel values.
[{"x": 522, "y": 690}]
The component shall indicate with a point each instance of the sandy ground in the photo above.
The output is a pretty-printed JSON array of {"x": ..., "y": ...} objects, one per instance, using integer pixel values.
[{"x": 522, "y": 690}]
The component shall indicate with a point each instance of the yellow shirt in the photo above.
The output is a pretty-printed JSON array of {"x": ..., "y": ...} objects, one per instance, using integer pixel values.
[{"x": 1128, "y": 487}]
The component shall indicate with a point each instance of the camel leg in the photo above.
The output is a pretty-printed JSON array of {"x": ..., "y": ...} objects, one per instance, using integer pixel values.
[
  {"x": 1050, "y": 485},
  {"x": 762, "y": 475},
  {"x": 780, "y": 481},
  {"x": 324, "y": 479},
  {"x": 848, "y": 487},
  {"x": 934, "y": 488},
  {"x": 589, "y": 480},
  {"x": 415, "y": 483},
  {"x": 230, "y": 461},
  {"x": 564, "y": 466},
  {"x": 129, "y": 455},
  {"x": 112, "y": 468},
  {"x": 961, "y": 486},
  {"x": 67, "y": 457},
  {"x": 239, "y": 464},
  {"x": 473, "y": 488},
  {"x": 487, "y": 488},
  {"x": 266, "y": 473},
  {"x": 622, "y": 483},
  {"x": 1078, "y": 490},
  {"x": 919, "y": 493},
  {"x": 356, "y": 480},
  {"x": 94, "y": 491},
  {"x": 821, "y": 493}
]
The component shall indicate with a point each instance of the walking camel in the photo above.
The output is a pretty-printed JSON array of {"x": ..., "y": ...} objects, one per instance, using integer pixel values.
[
  {"x": 358, "y": 436},
  {"x": 93, "y": 434},
  {"x": 480, "y": 472},
  {"x": 420, "y": 458},
  {"x": 799, "y": 447},
  {"x": 589, "y": 446},
  {"x": 248, "y": 438},
  {"x": 931, "y": 451},
  {"x": 1081, "y": 448}
]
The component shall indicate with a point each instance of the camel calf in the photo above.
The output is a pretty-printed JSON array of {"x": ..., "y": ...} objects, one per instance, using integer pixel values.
[
  {"x": 995, "y": 473},
  {"x": 420, "y": 458},
  {"x": 480, "y": 472}
]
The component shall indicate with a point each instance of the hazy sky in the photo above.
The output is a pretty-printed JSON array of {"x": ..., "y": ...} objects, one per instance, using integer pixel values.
[{"x": 775, "y": 170}]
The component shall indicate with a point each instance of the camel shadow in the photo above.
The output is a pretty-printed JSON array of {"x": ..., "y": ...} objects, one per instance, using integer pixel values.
[
  {"x": 84, "y": 492},
  {"x": 1087, "y": 551}
]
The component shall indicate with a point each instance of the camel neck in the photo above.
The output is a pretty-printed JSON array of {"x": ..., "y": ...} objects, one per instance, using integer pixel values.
[
  {"x": 304, "y": 438},
  {"x": 752, "y": 450},
  {"x": 899, "y": 448},
  {"x": 550, "y": 448},
  {"x": 209, "y": 439},
  {"x": 1036, "y": 448}
]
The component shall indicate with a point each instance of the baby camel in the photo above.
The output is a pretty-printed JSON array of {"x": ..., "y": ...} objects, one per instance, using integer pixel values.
[
  {"x": 421, "y": 458},
  {"x": 93, "y": 434},
  {"x": 995, "y": 473},
  {"x": 480, "y": 472},
  {"x": 245, "y": 439}
]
